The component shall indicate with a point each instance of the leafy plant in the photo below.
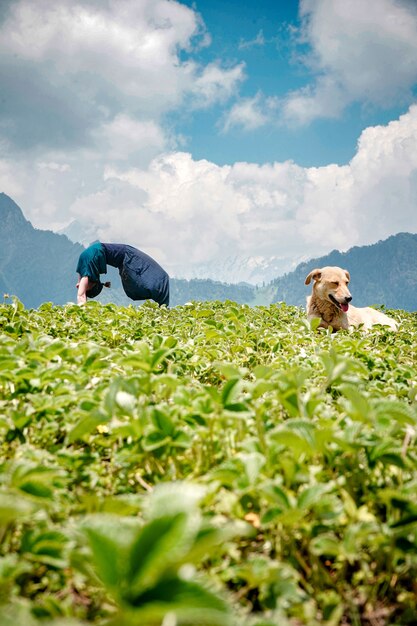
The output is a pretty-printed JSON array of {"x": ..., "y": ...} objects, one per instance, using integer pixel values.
[{"x": 208, "y": 464}]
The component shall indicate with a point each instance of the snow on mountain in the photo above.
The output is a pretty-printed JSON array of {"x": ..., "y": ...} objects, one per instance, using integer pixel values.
[
  {"x": 254, "y": 270},
  {"x": 80, "y": 232}
]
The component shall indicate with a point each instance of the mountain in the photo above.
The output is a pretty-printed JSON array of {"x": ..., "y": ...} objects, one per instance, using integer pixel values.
[
  {"x": 182, "y": 291},
  {"x": 253, "y": 270},
  {"x": 36, "y": 265},
  {"x": 39, "y": 266},
  {"x": 80, "y": 232},
  {"x": 382, "y": 273}
]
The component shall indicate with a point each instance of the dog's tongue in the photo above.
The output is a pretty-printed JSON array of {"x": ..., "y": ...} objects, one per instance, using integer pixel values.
[{"x": 345, "y": 307}]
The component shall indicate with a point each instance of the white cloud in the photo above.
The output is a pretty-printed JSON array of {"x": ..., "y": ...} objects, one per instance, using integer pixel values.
[
  {"x": 258, "y": 41},
  {"x": 124, "y": 136},
  {"x": 360, "y": 52},
  {"x": 372, "y": 197},
  {"x": 217, "y": 83},
  {"x": 187, "y": 212},
  {"x": 51, "y": 165},
  {"x": 120, "y": 45},
  {"x": 74, "y": 66},
  {"x": 248, "y": 113},
  {"x": 87, "y": 85},
  {"x": 10, "y": 181}
]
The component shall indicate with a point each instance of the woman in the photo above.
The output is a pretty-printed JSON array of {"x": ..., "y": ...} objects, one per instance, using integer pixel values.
[{"x": 142, "y": 277}]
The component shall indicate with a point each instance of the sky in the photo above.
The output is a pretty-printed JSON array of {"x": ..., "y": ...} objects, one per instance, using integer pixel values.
[{"x": 207, "y": 132}]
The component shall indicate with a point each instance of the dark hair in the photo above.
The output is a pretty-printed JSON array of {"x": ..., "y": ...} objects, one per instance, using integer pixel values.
[{"x": 95, "y": 290}]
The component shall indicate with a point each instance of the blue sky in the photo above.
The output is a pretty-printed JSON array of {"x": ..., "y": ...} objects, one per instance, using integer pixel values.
[
  {"x": 265, "y": 36},
  {"x": 227, "y": 139}
]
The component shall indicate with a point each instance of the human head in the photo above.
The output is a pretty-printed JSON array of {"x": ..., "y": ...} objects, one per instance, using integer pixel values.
[{"x": 95, "y": 290}]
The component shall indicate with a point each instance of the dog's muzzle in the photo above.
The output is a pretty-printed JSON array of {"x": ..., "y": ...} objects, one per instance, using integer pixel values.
[{"x": 343, "y": 306}]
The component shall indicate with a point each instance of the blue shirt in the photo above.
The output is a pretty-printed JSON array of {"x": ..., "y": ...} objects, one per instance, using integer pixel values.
[{"x": 92, "y": 262}]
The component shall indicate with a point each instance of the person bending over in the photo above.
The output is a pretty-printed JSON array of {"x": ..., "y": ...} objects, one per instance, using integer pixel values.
[{"x": 142, "y": 277}]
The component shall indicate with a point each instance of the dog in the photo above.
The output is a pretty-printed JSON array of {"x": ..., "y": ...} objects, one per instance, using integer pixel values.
[{"x": 330, "y": 301}]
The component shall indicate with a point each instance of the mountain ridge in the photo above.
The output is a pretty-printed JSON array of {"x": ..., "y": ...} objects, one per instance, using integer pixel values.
[
  {"x": 383, "y": 273},
  {"x": 39, "y": 266},
  {"x": 24, "y": 271}
]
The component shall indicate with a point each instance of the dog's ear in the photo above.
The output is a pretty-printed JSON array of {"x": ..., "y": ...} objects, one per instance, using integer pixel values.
[
  {"x": 347, "y": 274},
  {"x": 314, "y": 274}
]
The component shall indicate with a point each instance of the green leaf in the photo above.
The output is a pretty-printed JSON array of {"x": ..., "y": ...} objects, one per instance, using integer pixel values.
[
  {"x": 252, "y": 463},
  {"x": 230, "y": 391},
  {"x": 155, "y": 441},
  {"x": 189, "y": 601},
  {"x": 35, "y": 480},
  {"x": 47, "y": 547},
  {"x": 326, "y": 545},
  {"x": 311, "y": 496},
  {"x": 229, "y": 371},
  {"x": 109, "y": 538},
  {"x": 162, "y": 422},
  {"x": 296, "y": 434},
  {"x": 86, "y": 426},
  {"x": 160, "y": 545},
  {"x": 13, "y": 508},
  {"x": 277, "y": 496}
]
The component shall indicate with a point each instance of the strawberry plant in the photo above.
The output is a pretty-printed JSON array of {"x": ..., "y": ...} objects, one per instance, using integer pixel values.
[{"x": 208, "y": 464}]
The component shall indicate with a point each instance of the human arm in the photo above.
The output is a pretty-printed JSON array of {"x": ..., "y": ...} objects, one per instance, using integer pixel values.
[
  {"x": 82, "y": 286},
  {"x": 89, "y": 288}
]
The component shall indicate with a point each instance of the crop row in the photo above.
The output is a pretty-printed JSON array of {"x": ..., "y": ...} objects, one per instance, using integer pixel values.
[{"x": 209, "y": 464}]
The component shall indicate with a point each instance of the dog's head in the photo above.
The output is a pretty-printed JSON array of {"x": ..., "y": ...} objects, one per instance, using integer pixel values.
[{"x": 331, "y": 283}]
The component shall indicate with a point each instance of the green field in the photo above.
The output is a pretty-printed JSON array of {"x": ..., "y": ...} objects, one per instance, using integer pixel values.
[{"x": 212, "y": 464}]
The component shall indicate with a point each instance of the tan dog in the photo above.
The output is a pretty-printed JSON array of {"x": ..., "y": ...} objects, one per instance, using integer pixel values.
[{"x": 330, "y": 301}]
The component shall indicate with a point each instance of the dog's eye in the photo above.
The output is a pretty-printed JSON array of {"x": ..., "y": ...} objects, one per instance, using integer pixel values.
[{"x": 335, "y": 283}]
